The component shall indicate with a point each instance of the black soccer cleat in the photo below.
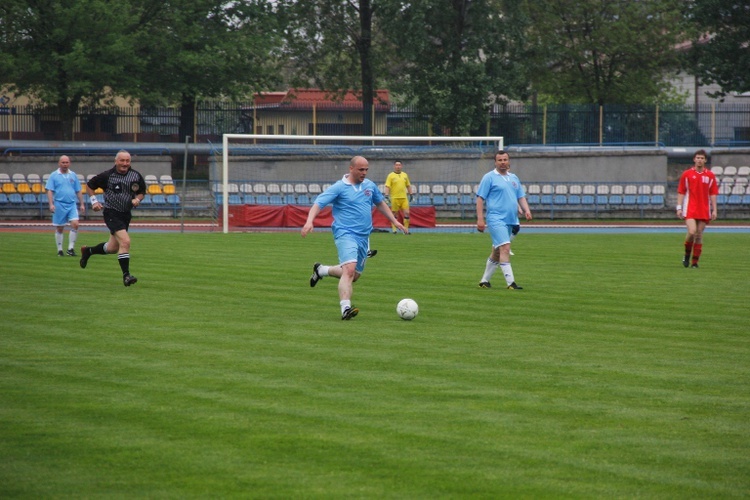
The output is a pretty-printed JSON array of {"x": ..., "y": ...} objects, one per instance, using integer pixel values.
[
  {"x": 71, "y": 252},
  {"x": 371, "y": 253},
  {"x": 129, "y": 279},
  {"x": 85, "y": 254},
  {"x": 685, "y": 261},
  {"x": 315, "y": 277},
  {"x": 60, "y": 253},
  {"x": 485, "y": 284},
  {"x": 349, "y": 313},
  {"x": 513, "y": 286}
]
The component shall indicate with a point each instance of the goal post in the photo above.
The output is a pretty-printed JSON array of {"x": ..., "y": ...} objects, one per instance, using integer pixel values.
[{"x": 322, "y": 158}]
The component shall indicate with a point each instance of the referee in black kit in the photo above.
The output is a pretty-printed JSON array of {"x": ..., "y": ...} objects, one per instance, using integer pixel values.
[{"x": 124, "y": 189}]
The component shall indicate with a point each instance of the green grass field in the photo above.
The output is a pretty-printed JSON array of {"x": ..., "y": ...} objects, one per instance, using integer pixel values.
[{"x": 615, "y": 373}]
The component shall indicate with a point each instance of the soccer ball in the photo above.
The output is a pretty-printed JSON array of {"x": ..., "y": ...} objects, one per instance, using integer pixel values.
[{"x": 407, "y": 309}]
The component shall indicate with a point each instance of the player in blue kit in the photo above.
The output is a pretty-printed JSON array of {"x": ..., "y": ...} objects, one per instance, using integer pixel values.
[
  {"x": 351, "y": 200},
  {"x": 502, "y": 193},
  {"x": 63, "y": 191}
]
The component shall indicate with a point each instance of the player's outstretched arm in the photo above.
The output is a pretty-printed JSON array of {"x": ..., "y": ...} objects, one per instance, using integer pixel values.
[{"x": 308, "y": 227}]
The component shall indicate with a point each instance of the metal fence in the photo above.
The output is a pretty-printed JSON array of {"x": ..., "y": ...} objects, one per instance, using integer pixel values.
[{"x": 521, "y": 124}]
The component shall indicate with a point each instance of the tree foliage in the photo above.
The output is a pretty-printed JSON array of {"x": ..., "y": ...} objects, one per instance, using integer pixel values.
[
  {"x": 604, "y": 51},
  {"x": 458, "y": 57},
  {"x": 206, "y": 48},
  {"x": 339, "y": 45},
  {"x": 721, "y": 47},
  {"x": 68, "y": 52},
  {"x": 71, "y": 52}
]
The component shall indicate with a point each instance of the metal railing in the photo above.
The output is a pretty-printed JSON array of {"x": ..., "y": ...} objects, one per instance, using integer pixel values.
[{"x": 705, "y": 125}]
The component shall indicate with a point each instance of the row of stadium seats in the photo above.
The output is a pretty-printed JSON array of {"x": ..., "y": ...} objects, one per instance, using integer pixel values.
[
  {"x": 466, "y": 201},
  {"x": 35, "y": 184},
  {"x": 730, "y": 177},
  {"x": 31, "y": 199},
  {"x": 431, "y": 189}
]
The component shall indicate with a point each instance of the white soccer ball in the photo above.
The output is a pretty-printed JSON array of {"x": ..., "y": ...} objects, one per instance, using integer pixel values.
[{"x": 407, "y": 309}]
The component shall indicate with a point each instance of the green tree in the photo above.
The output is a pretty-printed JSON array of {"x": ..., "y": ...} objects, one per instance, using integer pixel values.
[
  {"x": 338, "y": 45},
  {"x": 604, "y": 51},
  {"x": 194, "y": 49},
  {"x": 66, "y": 53},
  {"x": 721, "y": 48},
  {"x": 458, "y": 58}
]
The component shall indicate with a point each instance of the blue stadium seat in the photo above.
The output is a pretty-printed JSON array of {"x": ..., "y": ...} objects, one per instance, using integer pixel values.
[
  {"x": 15, "y": 199},
  {"x": 158, "y": 199},
  {"x": 467, "y": 199},
  {"x": 146, "y": 201},
  {"x": 451, "y": 200},
  {"x": 438, "y": 200},
  {"x": 261, "y": 199},
  {"x": 304, "y": 199},
  {"x": 644, "y": 199},
  {"x": 587, "y": 199},
  {"x": 290, "y": 199},
  {"x": 533, "y": 199},
  {"x": 275, "y": 199},
  {"x": 3, "y": 199},
  {"x": 248, "y": 199},
  {"x": 560, "y": 199},
  {"x": 546, "y": 199},
  {"x": 615, "y": 200},
  {"x": 602, "y": 199},
  {"x": 721, "y": 199},
  {"x": 734, "y": 199},
  {"x": 219, "y": 199},
  {"x": 173, "y": 199},
  {"x": 235, "y": 199},
  {"x": 657, "y": 200},
  {"x": 629, "y": 199},
  {"x": 574, "y": 199},
  {"x": 423, "y": 200},
  {"x": 30, "y": 199}
]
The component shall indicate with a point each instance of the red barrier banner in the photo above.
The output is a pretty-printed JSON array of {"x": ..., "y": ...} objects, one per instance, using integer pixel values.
[{"x": 296, "y": 215}]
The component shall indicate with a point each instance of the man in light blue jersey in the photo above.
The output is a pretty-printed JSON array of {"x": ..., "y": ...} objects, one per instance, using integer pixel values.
[
  {"x": 63, "y": 190},
  {"x": 351, "y": 199},
  {"x": 502, "y": 193}
]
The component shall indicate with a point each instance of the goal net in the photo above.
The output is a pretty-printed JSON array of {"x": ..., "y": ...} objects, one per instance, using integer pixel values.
[{"x": 281, "y": 170}]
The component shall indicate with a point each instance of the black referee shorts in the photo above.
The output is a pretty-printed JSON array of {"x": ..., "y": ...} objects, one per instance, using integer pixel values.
[{"x": 117, "y": 221}]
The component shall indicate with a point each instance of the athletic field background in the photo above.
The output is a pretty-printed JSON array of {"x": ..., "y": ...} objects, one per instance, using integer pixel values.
[{"x": 615, "y": 373}]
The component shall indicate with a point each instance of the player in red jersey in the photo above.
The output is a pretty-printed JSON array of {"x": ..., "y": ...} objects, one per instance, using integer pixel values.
[{"x": 696, "y": 203}]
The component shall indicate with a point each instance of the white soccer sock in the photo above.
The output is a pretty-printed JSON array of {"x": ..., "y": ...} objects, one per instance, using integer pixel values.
[
  {"x": 72, "y": 237},
  {"x": 489, "y": 270},
  {"x": 507, "y": 272},
  {"x": 59, "y": 241},
  {"x": 323, "y": 270},
  {"x": 345, "y": 304}
]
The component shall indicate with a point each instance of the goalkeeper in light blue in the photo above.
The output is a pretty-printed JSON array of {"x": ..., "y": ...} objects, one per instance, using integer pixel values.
[
  {"x": 351, "y": 200},
  {"x": 500, "y": 193}
]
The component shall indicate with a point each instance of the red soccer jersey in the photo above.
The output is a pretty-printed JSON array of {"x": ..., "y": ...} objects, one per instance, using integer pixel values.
[{"x": 697, "y": 188}]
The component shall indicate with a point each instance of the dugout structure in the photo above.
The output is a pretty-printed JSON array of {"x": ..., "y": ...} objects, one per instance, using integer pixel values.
[{"x": 293, "y": 159}]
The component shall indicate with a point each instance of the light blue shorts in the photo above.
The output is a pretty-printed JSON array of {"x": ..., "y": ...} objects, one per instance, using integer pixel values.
[
  {"x": 64, "y": 214},
  {"x": 500, "y": 234},
  {"x": 352, "y": 248}
]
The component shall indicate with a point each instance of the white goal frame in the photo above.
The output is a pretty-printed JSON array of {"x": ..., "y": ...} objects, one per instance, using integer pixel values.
[{"x": 497, "y": 140}]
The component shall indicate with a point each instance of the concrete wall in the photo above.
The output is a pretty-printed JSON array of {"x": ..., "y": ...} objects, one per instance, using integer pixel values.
[
  {"x": 648, "y": 166},
  {"x": 85, "y": 165}
]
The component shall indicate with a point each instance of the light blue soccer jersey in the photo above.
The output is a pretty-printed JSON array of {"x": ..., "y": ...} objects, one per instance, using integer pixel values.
[
  {"x": 352, "y": 206},
  {"x": 66, "y": 187},
  {"x": 501, "y": 194}
]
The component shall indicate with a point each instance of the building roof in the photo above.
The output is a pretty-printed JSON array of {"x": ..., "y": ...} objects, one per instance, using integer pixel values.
[{"x": 305, "y": 99}]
